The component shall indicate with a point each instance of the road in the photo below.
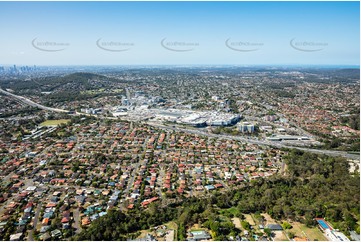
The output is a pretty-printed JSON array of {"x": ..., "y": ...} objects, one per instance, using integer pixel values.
[
  {"x": 76, "y": 216},
  {"x": 229, "y": 137},
  {"x": 127, "y": 93},
  {"x": 34, "y": 104},
  {"x": 36, "y": 218},
  {"x": 31, "y": 103},
  {"x": 283, "y": 167},
  {"x": 225, "y": 185},
  {"x": 131, "y": 180},
  {"x": 160, "y": 181}
]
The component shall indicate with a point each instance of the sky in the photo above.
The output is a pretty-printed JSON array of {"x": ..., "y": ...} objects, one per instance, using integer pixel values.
[{"x": 180, "y": 33}]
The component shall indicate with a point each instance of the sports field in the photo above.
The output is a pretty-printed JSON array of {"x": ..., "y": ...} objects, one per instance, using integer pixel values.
[{"x": 54, "y": 122}]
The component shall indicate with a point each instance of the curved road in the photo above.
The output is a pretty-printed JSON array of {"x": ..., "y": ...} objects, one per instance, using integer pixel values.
[{"x": 31, "y": 103}]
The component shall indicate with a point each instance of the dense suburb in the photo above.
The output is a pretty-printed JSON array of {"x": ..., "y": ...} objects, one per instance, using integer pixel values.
[{"x": 315, "y": 186}]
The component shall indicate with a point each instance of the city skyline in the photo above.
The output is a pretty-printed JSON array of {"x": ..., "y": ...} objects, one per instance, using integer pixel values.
[{"x": 180, "y": 33}]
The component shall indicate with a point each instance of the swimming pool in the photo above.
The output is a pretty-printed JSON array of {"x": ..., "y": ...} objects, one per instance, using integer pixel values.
[{"x": 323, "y": 224}]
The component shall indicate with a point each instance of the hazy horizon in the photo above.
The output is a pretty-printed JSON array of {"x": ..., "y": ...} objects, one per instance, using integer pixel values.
[
  {"x": 195, "y": 65},
  {"x": 180, "y": 33}
]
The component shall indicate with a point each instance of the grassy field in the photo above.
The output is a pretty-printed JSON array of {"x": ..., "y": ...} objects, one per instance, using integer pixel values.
[
  {"x": 174, "y": 226},
  {"x": 171, "y": 225},
  {"x": 54, "y": 122},
  {"x": 233, "y": 210},
  {"x": 143, "y": 233},
  {"x": 237, "y": 223},
  {"x": 312, "y": 233},
  {"x": 300, "y": 230},
  {"x": 280, "y": 236},
  {"x": 268, "y": 218},
  {"x": 249, "y": 219},
  {"x": 196, "y": 227},
  {"x": 229, "y": 212}
]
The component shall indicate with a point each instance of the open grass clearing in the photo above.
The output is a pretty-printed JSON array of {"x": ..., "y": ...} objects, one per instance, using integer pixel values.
[
  {"x": 280, "y": 236},
  {"x": 302, "y": 231},
  {"x": 226, "y": 210},
  {"x": 268, "y": 218},
  {"x": 171, "y": 225},
  {"x": 54, "y": 122},
  {"x": 143, "y": 233},
  {"x": 312, "y": 233},
  {"x": 249, "y": 219},
  {"x": 237, "y": 223},
  {"x": 196, "y": 227}
]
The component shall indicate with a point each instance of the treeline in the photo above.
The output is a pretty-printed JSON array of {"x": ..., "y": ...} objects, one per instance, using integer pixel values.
[
  {"x": 81, "y": 80},
  {"x": 117, "y": 225},
  {"x": 70, "y": 96},
  {"x": 315, "y": 186},
  {"x": 343, "y": 76},
  {"x": 345, "y": 144},
  {"x": 353, "y": 121},
  {"x": 27, "y": 110}
]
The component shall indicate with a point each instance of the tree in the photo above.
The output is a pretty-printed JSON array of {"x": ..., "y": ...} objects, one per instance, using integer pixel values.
[
  {"x": 286, "y": 225},
  {"x": 277, "y": 211},
  {"x": 268, "y": 231},
  {"x": 245, "y": 225},
  {"x": 290, "y": 234}
]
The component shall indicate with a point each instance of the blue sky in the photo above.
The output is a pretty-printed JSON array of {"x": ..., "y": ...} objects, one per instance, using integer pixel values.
[{"x": 322, "y": 33}]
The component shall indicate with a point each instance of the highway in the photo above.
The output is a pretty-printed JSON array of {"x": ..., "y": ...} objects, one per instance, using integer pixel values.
[
  {"x": 31, "y": 103},
  {"x": 276, "y": 144},
  {"x": 198, "y": 132},
  {"x": 34, "y": 104}
]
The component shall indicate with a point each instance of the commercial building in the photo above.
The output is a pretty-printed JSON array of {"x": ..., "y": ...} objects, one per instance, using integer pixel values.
[
  {"x": 287, "y": 137},
  {"x": 275, "y": 227},
  {"x": 270, "y": 118},
  {"x": 199, "y": 235},
  {"x": 331, "y": 233},
  {"x": 246, "y": 127},
  {"x": 265, "y": 128},
  {"x": 91, "y": 110},
  {"x": 335, "y": 235},
  {"x": 354, "y": 236},
  {"x": 125, "y": 102},
  {"x": 195, "y": 120},
  {"x": 222, "y": 119}
]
